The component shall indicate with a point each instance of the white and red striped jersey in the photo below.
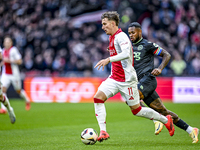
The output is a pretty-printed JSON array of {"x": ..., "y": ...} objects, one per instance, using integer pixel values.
[
  {"x": 121, "y": 57},
  {"x": 10, "y": 68}
]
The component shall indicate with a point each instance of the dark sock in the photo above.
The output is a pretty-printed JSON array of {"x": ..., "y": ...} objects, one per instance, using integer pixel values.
[{"x": 181, "y": 124}]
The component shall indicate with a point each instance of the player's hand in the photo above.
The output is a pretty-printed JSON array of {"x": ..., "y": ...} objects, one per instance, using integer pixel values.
[
  {"x": 102, "y": 63},
  {"x": 156, "y": 71},
  {"x": 6, "y": 60}
]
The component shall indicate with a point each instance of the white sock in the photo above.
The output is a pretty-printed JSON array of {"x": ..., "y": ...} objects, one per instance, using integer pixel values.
[
  {"x": 3, "y": 107},
  {"x": 151, "y": 114},
  {"x": 6, "y": 102},
  {"x": 100, "y": 112},
  {"x": 24, "y": 95},
  {"x": 189, "y": 129}
]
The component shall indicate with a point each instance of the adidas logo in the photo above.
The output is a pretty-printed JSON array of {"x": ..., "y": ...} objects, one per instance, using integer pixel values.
[{"x": 131, "y": 98}]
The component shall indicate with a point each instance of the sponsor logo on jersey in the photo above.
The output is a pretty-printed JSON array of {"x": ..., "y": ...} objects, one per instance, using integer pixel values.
[
  {"x": 137, "y": 55},
  {"x": 124, "y": 43},
  {"x": 112, "y": 52},
  {"x": 141, "y": 86}
]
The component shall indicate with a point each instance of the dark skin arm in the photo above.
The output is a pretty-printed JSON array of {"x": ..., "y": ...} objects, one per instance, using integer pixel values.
[
  {"x": 165, "y": 59},
  {"x": 157, "y": 104}
]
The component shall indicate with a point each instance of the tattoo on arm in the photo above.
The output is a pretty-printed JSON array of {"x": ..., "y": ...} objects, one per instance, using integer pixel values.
[{"x": 166, "y": 57}]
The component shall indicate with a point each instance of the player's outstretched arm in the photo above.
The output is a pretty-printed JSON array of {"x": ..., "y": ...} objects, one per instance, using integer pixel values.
[
  {"x": 18, "y": 62},
  {"x": 7, "y": 60},
  {"x": 102, "y": 63},
  {"x": 166, "y": 57},
  {"x": 1, "y": 56}
]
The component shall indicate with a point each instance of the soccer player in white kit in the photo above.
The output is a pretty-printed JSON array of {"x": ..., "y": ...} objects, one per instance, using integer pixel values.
[
  {"x": 4, "y": 100},
  {"x": 123, "y": 78},
  {"x": 10, "y": 72}
]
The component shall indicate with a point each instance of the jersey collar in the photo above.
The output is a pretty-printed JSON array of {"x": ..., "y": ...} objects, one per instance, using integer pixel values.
[
  {"x": 138, "y": 41},
  {"x": 8, "y": 49},
  {"x": 118, "y": 31}
]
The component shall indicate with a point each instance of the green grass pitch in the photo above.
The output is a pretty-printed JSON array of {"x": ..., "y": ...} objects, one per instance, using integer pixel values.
[{"x": 57, "y": 126}]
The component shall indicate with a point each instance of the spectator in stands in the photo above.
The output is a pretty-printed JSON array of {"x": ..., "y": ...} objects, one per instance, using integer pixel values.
[
  {"x": 178, "y": 64},
  {"x": 52, "y": 25}
]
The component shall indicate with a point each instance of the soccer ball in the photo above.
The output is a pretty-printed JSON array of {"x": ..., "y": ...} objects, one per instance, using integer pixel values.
[{"x": 89, "y": 136}]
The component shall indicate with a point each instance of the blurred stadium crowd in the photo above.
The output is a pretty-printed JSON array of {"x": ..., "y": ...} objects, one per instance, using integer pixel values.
[{"x": 64, "y": 37}]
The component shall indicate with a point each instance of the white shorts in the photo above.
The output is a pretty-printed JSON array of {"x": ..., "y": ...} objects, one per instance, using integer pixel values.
[
  {"x": 128, "y": 90},
  {"x": 6, "y": 80}
]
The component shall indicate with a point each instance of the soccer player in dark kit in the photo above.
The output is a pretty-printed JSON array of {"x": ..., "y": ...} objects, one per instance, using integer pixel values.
[{"x": 144, "y": 52}]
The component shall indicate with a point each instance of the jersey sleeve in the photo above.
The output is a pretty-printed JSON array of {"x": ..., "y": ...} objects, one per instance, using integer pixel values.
[
  {"x": 155, "y": 49},
  {"x": 125, "y": 46},
  {"x": 17, "y": 54}
]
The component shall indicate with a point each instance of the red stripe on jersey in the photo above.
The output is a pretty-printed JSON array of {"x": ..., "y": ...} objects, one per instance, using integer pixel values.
[
  {"x": 118, "y": 72},
  {"x": 8, "y": 68}
]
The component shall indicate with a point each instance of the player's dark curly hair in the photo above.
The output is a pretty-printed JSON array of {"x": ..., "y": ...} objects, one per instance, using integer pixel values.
[
  {"x": 111, "y": 15},
  {"x": 135, "y": 24}
]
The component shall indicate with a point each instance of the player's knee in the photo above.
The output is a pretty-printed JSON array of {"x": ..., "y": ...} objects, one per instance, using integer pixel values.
[
  {"x": 18, "y": 91},
  {"x": 4, "y": 90},
  {"x": 98, "y": 99},
  {"x": 100, "y": 95},
  {"x": 1, "y": 97},
  {"x": 141, "y": 95}
]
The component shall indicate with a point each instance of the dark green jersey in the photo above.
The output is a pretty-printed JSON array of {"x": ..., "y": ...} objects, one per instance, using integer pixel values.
[{"x": 144, "y": 51}]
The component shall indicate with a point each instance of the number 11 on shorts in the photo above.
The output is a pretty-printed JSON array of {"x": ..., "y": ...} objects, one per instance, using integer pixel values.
[{"x": 130, "y": 90}]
